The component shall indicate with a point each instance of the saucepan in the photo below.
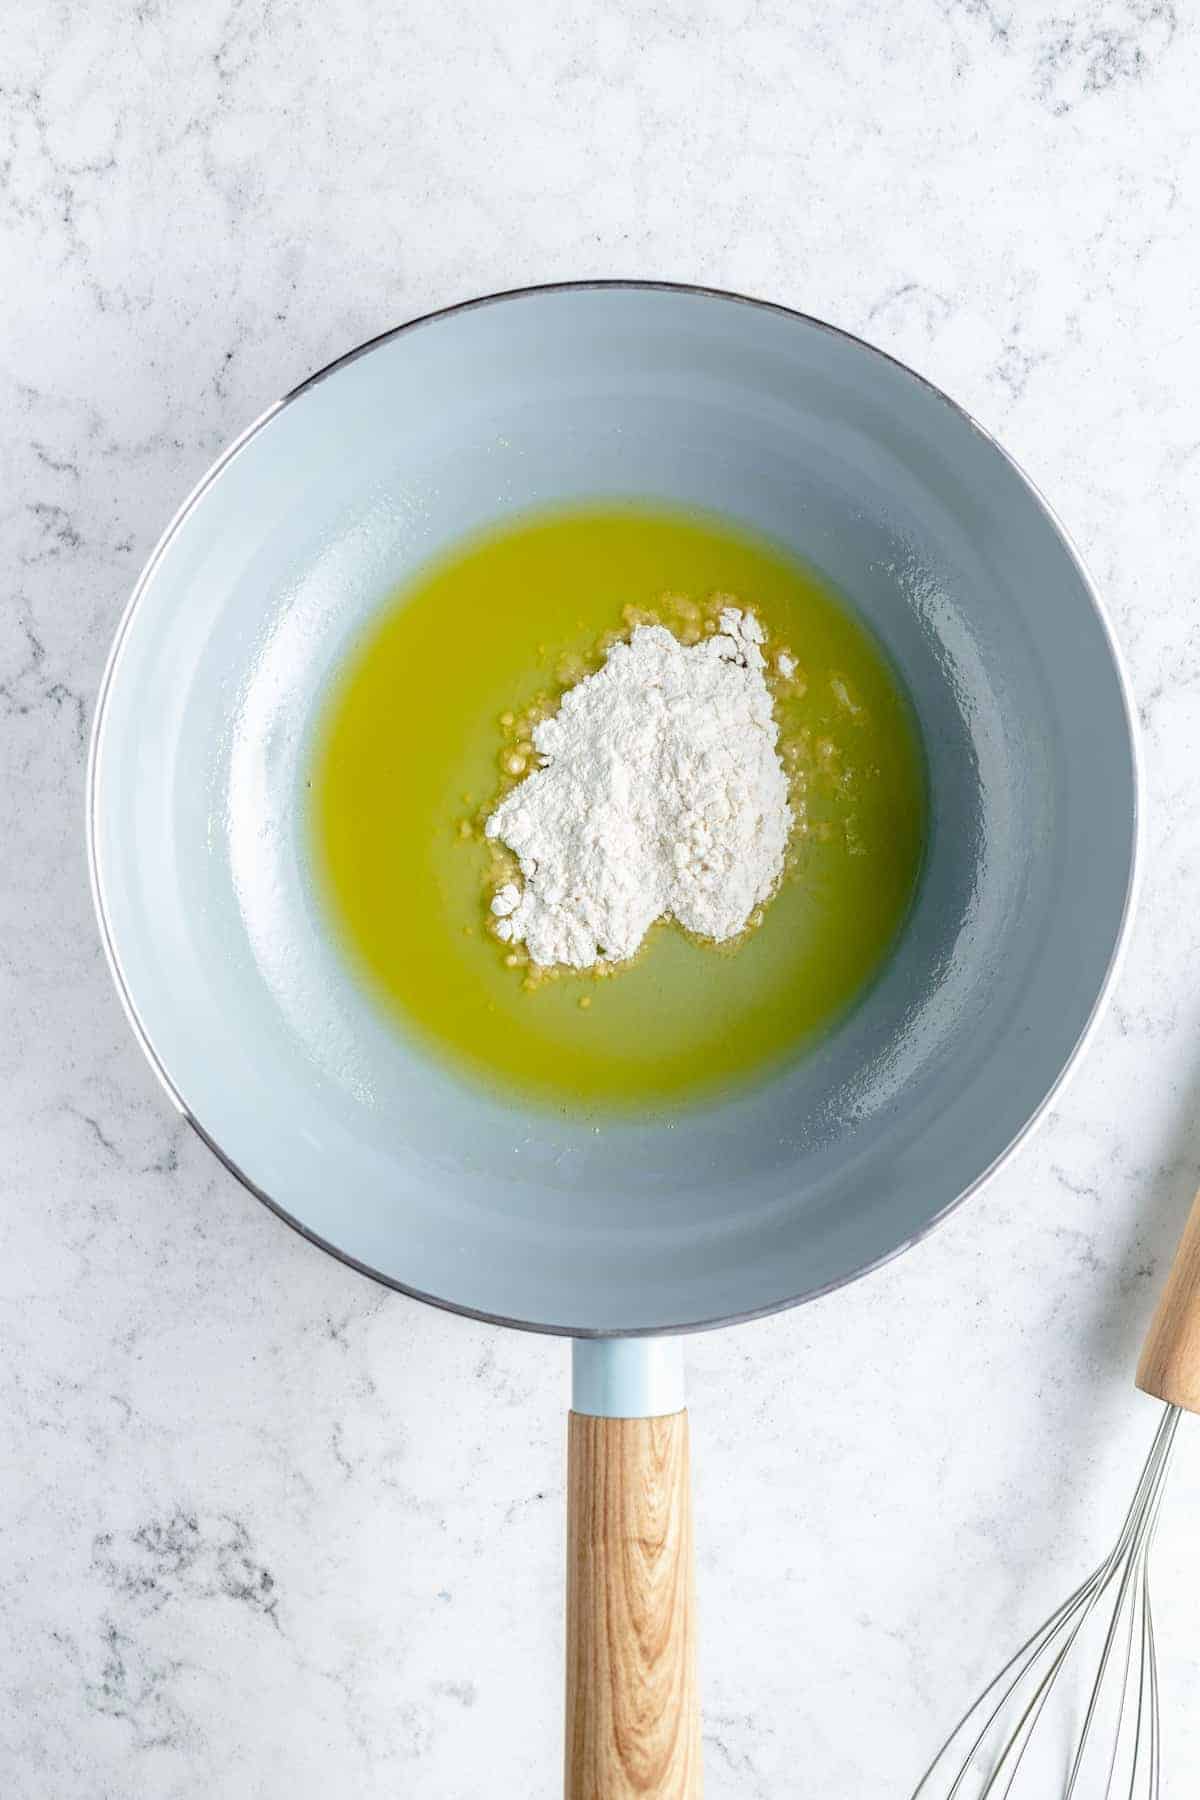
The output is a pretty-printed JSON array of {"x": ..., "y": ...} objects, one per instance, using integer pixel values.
[{"x": 622, "y": 1234}]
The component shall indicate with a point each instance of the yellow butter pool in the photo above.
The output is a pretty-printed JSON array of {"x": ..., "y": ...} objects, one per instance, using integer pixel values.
[{"x": 406, "y": 765}]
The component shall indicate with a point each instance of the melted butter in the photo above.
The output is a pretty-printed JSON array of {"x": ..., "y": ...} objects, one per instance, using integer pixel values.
[{"x": 408, "y": 764}]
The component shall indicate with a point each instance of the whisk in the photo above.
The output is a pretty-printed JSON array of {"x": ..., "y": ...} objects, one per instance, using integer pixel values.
[{"x": 1110, "y": 1744}]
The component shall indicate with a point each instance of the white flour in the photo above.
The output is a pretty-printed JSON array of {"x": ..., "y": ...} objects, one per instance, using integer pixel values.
[{"x": 660, "y": 792}]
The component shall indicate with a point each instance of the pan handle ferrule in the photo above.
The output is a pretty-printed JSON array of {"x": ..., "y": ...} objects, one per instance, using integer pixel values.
[{"x": 627, "y": 1378}]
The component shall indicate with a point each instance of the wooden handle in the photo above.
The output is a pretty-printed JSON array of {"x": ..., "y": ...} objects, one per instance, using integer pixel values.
[
  {"x": 1170, "y": 1361},
  {"x": 633, "y": 1716}
]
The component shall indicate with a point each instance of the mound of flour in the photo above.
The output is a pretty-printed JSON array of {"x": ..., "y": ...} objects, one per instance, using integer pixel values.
[{"x": 660, "y": 792}]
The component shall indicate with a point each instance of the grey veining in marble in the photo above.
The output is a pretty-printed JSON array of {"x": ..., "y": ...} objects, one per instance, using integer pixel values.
[{"x": 266, "y": 1529}]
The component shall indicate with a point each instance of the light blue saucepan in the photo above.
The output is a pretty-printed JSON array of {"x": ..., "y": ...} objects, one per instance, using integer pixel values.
[{"x": 249, "y": 1013}]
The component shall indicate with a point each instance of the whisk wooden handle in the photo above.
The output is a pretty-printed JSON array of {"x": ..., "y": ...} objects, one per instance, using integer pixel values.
[{"x": 1170, "y": 1362}]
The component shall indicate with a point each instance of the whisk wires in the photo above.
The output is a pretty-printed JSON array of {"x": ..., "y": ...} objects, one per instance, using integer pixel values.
[{"x": 996, "y": 1742}]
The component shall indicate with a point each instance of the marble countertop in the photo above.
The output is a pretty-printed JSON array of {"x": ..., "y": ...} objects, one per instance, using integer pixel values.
[{"x": 268, "y": 1530}]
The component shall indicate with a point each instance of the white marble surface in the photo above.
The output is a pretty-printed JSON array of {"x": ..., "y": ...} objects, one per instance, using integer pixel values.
[{"x": 266, "y": 1529}]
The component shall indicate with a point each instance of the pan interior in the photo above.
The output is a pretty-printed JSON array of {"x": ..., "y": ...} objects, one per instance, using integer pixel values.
[{"x": 682, "y": 400}]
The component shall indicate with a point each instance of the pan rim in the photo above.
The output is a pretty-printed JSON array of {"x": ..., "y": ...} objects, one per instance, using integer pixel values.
[{"x": 442, "y": 1302}]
